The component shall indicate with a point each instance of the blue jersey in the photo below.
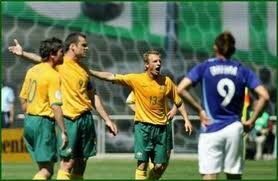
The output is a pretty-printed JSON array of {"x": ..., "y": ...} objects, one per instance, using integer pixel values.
[{"x": 223, "y": 84}]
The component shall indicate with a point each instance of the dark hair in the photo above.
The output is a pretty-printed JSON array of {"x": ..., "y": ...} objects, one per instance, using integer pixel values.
[
  {"x": 146, "y": 55},
  {"x": 72, "y": 38},
  {"x": 50, "y": 47},
  {"x": 225, "y": 43}
]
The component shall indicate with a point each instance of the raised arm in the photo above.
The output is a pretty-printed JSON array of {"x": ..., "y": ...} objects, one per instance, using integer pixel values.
[
  {"x": 18, "y": 50},
  {"x": 183, "y": 92},
  {"x": 108, "y": 76}
]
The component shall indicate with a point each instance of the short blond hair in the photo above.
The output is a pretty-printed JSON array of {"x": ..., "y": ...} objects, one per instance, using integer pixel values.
[{"x": 149, "y": 52}]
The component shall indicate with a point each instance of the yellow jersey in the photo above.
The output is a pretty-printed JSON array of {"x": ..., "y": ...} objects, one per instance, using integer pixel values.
[
  {"x": 41, "y": 89},
  {"x": 151, "y": 96},
  {"x": 75, "y": 87},
  {"x": 130, "y": 98}
]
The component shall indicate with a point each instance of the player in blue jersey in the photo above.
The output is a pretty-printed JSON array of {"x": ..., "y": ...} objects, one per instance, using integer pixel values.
[{"x": 223, "y": 82}]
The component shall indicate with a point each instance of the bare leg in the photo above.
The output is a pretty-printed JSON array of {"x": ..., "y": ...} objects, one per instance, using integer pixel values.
[{"x": 209, "y": 176}]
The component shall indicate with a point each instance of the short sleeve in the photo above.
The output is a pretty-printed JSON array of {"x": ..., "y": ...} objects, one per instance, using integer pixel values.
[
  {"x": 196, "y": 73},
  {"x": 131, "y": 98},
  {"x": 252, "y": 81},
  {"x": 24, "y": 90},
  {"x": 125, "y": 80},
  {"x": 54, "y": 90},
  {"x": 173, "y": 93}
]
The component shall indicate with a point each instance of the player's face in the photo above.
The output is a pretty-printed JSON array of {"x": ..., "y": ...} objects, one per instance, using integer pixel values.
[
  {"x": 154, "y": 64},
  {"x": 81, "y": 48},
  {"x": 58, "y": 59}
]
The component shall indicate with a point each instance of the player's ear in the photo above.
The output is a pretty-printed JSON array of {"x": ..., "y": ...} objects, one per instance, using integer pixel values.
[
  {"x": 146, "y": 66},
  {"x": 52, "y": 56},
  {"x": 215, "y": 48},
  {"x": 71, "y": 46}
]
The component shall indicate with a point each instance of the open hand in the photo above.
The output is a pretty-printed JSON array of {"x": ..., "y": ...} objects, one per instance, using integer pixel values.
[
  {"x": 188, "y": 127},
  {"x": 16, "y": 49}
]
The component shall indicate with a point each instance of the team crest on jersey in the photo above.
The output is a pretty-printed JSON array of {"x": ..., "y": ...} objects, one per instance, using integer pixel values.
[{"x": 58, "y": 95}]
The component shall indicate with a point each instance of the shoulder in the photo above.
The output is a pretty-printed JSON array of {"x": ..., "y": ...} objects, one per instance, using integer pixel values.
[
  {"x": 167, "y": 79},
  {"x": 52, "y": 74},
  {"x": 33, "y": 69},
  {"x": 132, "y": 75}
]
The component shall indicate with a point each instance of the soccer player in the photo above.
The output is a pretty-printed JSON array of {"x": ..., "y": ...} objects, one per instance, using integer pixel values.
[
  {"x": 151, "y": 91},
  {"x": 79, "y": 97},
  {"x": 223, "y": 81},
  {"x": 41, "y": 99},
  {"x": 130, "y": 101}
]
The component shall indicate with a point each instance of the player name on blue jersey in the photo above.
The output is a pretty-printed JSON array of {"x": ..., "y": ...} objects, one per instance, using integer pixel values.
[{"x": 223, "y": 69}]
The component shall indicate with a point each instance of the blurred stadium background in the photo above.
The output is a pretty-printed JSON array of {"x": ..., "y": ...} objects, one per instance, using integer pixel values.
[{"x": 120, "y": 32}]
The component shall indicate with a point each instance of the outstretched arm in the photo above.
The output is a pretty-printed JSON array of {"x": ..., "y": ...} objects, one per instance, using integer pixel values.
[
  {"x": 183, "y": 92},
  {"x": 108, "y": 76},
  {"x": 18, "y": 50}
]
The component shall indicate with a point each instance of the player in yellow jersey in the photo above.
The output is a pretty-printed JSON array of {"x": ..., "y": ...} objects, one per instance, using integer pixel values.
[
  {"x": 151, "y": 91},
  {"x": 41, "y": 100},
  {"x": 79, "y": 97},
  {"x": 130, "y": 101}
]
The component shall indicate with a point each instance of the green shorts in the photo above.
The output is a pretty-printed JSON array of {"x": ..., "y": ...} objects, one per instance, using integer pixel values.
[
  {"x": 152, "y": 141},
  {"x": 82, "y": 137},
  {"x": 40, "y": 138}
]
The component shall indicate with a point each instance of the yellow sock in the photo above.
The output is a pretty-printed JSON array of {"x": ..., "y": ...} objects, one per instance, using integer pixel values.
[
  {"x": 76, "y": 177},
  {"x": 38, "y": 176},
  {"x": 151, "y": 165},
  {"x": 63, "y": 175},
  {"x": 140, "y": 175}
]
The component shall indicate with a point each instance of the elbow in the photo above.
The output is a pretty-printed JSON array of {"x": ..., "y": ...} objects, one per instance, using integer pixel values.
[
  {"x": 266, "y": 97},
  {"x": 23, "y": 108}
]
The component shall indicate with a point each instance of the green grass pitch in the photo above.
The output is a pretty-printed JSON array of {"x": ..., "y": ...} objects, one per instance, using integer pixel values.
[{"x": 111, "y": 169}]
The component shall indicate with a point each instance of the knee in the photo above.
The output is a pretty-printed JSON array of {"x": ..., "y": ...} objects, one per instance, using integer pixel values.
[
  {"x": 160, "y": 168},
  {"x": 47, "y": 172},
  {"x": 67, "y": 165},
  {"x": 142, "y": 165}
]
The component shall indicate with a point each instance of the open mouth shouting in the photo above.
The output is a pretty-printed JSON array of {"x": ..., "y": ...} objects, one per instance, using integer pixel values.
[{"x": 157, "y": 69}]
